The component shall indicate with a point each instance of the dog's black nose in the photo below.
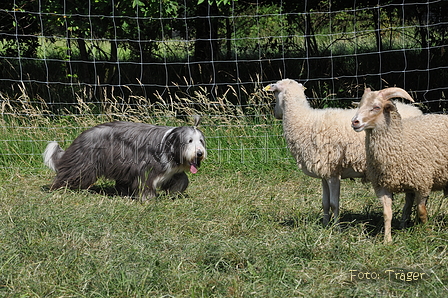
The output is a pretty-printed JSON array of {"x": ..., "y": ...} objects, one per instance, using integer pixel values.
[{"x": 199, "y": 153}]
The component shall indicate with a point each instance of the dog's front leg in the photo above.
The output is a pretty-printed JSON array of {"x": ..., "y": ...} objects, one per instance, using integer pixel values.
[
  {"x": 177, "y": 184},
  {"x": 140, "y": 189},
  {"x": 147, "y": 190}
]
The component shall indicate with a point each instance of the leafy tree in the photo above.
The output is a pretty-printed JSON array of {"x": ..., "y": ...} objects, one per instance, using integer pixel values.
[
  {"x": 136, "y": 25},
  {"x": 18, "y": 28}
]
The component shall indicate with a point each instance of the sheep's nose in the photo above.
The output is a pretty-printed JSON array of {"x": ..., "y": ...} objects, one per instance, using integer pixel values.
[{"x": 355, "y": 122}]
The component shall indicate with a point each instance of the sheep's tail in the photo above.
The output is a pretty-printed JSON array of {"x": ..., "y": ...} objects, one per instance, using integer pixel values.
[{"x": 52, "y": 154}]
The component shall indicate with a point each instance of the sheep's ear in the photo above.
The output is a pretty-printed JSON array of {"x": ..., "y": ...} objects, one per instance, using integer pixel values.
[
  {"x": 393, "y": 92},
  {"x": 367, "y": 90},
  {"x": 389, "y": 107}
]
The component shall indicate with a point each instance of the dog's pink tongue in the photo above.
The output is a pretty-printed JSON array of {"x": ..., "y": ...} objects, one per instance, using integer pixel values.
[{"x": 193, "y": 169}]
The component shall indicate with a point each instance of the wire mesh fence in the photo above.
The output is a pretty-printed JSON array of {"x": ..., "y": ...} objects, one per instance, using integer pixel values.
[{"x": 68, "y": 65}]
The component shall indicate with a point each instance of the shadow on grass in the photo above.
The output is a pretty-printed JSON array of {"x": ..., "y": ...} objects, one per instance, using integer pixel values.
[
  {"x": 110, "y": 191},
  {"x": 372, "y": 222}
]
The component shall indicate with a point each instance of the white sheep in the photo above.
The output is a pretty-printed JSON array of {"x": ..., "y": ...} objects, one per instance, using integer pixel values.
[
  {"x": 403, "y": 155},
  {"x": 322, "y": 141}
]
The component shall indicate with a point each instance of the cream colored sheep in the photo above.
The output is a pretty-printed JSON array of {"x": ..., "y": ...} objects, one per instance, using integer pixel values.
[
  {"x": 403, "y": 155},
  {"x": 322, "y": 141}
]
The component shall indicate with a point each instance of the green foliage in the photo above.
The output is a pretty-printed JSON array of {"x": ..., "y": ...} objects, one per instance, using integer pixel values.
[
  {"x": 217, "y": 2},
  {"x": 329, "y": 41}
]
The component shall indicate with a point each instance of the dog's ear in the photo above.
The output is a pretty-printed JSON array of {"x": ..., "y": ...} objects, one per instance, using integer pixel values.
[
  {"x": 197, "y": 120},
  {"x": 172, "y": 141}
]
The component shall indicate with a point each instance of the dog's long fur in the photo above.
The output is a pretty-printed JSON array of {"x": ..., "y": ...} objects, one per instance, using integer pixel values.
[{"x": 140, "y": 157}]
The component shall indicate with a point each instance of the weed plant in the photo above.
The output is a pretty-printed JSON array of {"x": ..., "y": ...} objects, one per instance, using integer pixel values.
[{"x": 249, "y": 225}]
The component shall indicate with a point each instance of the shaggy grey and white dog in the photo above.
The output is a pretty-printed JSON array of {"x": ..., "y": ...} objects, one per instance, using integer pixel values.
[{"x": 141, "y": 158}]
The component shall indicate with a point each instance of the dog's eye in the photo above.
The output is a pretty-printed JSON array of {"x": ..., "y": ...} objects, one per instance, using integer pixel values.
[{"x": 190, "y": 141}]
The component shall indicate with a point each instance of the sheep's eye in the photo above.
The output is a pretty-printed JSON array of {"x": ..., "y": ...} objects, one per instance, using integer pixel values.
[
  {"x": 376, "y": 108},
  {"x": 190, "y": 141}
]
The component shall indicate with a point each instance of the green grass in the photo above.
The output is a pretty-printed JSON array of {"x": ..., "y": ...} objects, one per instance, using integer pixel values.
[
  {"x": 240, "y": 231},
  {"x": 249, "y": 225}
]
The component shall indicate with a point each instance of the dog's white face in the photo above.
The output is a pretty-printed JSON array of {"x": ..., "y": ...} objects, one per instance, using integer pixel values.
[{"x": 194, "y": 149}]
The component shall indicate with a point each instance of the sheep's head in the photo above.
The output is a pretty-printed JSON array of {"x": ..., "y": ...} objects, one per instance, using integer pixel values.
[
  {"x": 280, "y": 89},
  {"x": 374, "y": 105}
]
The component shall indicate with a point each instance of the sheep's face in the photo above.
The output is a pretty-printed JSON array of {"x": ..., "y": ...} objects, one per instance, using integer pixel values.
[
  {"x": 280, "y": 89},
  {"x": 374, "y": 106},
  {"x": 369, "y": 109}
]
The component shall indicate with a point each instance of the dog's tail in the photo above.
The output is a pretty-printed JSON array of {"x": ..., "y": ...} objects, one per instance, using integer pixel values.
[{"x": 52, "y": 153}]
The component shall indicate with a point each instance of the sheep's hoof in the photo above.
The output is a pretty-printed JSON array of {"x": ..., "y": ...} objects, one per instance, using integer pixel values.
[
  {"x": 326, "y": 220},
  {"x": 404, "y": 224}
]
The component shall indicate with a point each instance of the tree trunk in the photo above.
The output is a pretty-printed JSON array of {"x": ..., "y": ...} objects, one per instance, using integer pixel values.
[
  {"x": 377, "y": 22},
  {"x": 206, "y": 45},
  {"x": 310, "y": 39},
  {"x": 84, "y": 58},
  {"x": 112, "y": 67}
]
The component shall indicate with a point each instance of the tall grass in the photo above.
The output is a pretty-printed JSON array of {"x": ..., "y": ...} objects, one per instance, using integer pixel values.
[{"x": 249, "y": 224}]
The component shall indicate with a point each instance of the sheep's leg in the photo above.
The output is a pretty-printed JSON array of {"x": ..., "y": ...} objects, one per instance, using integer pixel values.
[
  {"x": 325, "y": 202},
  {"x": 386, "y": 198},
  {"x": 407, "y": 209},
  {"x": 330, "y": 198},
  {"x": 421, "y": 208},
  {"x": 334, "y": 184}
]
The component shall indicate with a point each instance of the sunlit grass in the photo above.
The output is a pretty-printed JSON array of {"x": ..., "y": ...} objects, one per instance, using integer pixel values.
[{"x": 249, "y": 225}]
